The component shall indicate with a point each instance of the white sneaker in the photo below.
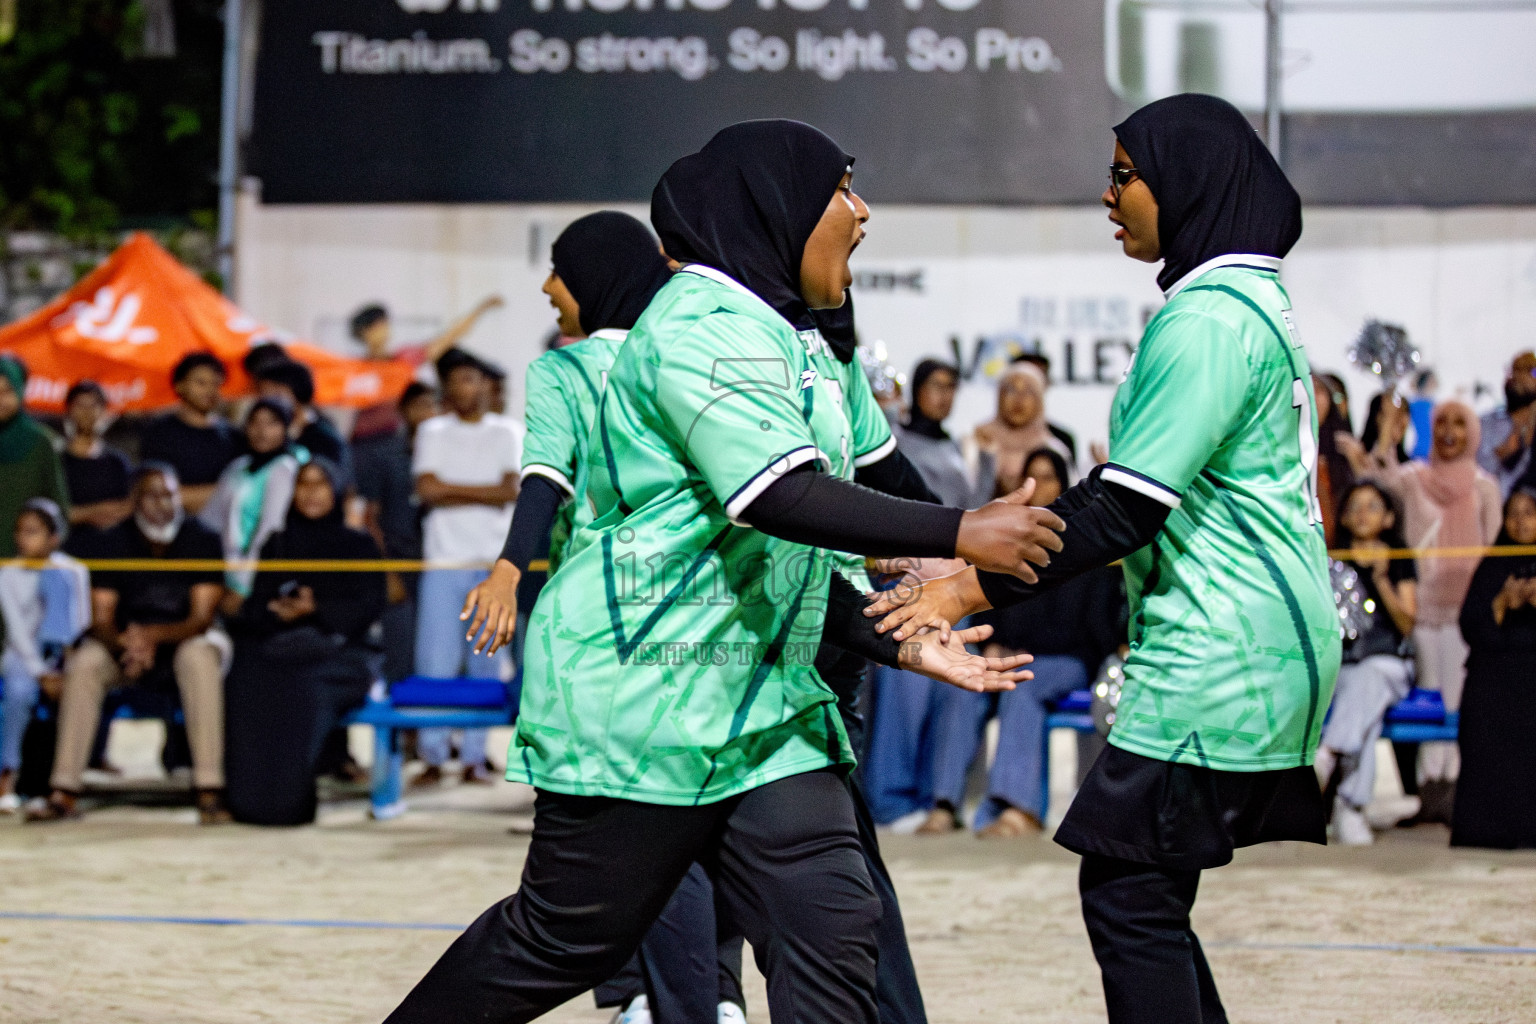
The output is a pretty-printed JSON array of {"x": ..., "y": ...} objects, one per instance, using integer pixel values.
[
  {"x": 10, "y": 803},
  {"x": 1349, "y": 825},
  {"x": 637, "y": 1012},
  {"x": 730, "y": 1013}
]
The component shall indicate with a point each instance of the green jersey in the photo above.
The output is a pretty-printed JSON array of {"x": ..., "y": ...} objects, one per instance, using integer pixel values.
[
  {"x": 563, "y": 389},
  {"x": 670, "y": 661},
  {"x": 1234, "y": 635}
]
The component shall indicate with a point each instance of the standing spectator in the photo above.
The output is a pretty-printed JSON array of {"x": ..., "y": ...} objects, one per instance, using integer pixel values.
[
  {"x": 29, "y": 465},
  {"x": 393, "y": 517},
  {"x": 254, "y": 491},
  {"x": 1042, "y": 362},
  {"x": 193, "y": 439},
  {"x": 291, "y": 383},
  {"x": 1496, "y": 795},
  {"x": 303, "y": 659},
  {"x": 150, "y": 629},
  {"x": 97, "y": 475},
  {"x": 45, "y": 609},
  {"x": 1447, "y": 502},
  {"x": 1386, "y": 425},
  {"x": 1505, "y": 451},
  {"x": 1019, "y": 428},
  {"x": 1070, "y": 630},
  {"x": 372, "y": 329},
  {"x": 1376, "y": 672},
  {"x": 466, "y": 468},
  {"x": 928, "y": 446},
  {"x": 1334, "y": 475}
]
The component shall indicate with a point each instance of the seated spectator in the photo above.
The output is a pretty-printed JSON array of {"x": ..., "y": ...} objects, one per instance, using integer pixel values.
[
  {"x": 45, "y": 609},
  {"x": 1505, "y": 450},
  {"x": 254, "y": 491},
  {"x": 303, "y": 658},
  {"x": 154, "y": 629},
  {"x": 1447, "y": 502},
  {"x": 1376, "y": 673},
  {"x": 97, "y": 475},
  {"x": 193, "y": 439},
  {"x": 928, "y": 446},
  {"x": 1496, "y": 794},
  {"x": 1070, "y": 630},
  {"x": 1018, "y": 430},
  {"x": 292, "y": 383},
  {"x": 29, "y": 465}
]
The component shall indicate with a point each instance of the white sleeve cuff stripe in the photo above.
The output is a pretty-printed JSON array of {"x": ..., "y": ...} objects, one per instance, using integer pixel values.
[
  {"x": 749, "y": 492},
  {"x": 1142, "y": 485},
  {"x": 870, "y": 458},
  {"x": 551, "y": 474}
]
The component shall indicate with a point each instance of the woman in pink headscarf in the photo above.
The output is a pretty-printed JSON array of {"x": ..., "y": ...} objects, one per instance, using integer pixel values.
[
  {"x": 1019, "y": 429},
  {"x": 1448, "y": 502}
]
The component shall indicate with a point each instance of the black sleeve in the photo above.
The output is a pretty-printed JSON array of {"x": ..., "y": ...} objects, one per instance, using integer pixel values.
[
  {"x": 895, "y": 475},
  {"x": 848, "y": 628},
  {"x": 532, "y": 520},
  {"x": 810, "y": 507},
  {"x": 1105, "y": 522}
]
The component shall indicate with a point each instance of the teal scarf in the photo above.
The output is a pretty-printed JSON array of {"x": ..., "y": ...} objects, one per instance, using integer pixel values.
[{"x": 20, "y": 436}]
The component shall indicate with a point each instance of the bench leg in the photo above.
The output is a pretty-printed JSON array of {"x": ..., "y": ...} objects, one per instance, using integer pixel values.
[
  {"x": 387, "y": 769},
  {"x": 1045, "y": 777}
]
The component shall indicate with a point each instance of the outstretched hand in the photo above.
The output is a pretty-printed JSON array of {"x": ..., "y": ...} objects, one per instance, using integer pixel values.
[
  {"x": 493, "y": 603},
  {"x": 1010, "y": 535},
  {"x": 950, "y": 662},
  {"x": 915, "y": 605}
]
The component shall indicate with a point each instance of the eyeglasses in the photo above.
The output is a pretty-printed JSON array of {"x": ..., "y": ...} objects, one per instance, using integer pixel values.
[{"x": 1119, "y": 177}]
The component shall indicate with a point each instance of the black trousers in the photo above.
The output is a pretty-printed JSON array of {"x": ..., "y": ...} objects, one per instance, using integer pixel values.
[
  {"x": 784, "y": 858},
  {"x": 1138, "y": 921}
]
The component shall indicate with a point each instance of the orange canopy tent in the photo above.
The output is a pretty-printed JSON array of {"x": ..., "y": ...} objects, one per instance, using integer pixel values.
[{"x": 129, "y": 321}]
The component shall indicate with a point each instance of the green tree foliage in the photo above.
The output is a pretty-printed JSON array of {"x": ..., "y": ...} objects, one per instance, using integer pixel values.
[{"x": 93, "y": 135}]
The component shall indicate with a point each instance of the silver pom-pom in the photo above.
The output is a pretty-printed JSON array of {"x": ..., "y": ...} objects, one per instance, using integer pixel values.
[
  {"x": 1106, "y": 694},
  {"x": 1385, "y": 350},
  {"x": 884, "y": 379},
  {"x": 1357, "y": 612}
]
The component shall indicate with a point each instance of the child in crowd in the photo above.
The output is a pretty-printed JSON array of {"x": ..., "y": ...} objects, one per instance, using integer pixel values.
[
  {"x": 46, "y": 606},
  {"x": 1376, "y": 672}
]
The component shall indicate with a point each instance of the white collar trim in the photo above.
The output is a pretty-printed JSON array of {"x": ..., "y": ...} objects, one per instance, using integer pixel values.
[
  {"x": 609, "y": 334},
  {"x": 1271, "y": 263},
  {"x": 720, "y": 277}
]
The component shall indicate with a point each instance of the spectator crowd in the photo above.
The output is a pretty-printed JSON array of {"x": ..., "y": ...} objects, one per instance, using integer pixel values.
[{"x": 254, "y": 668}]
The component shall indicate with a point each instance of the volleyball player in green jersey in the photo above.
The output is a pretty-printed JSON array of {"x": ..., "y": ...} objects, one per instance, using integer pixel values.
[
  {"x": 670, "y": 710},
  {"x": 1209, "y": 497}
]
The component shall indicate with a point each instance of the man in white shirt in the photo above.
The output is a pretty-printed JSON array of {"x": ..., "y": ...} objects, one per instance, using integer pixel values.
[{"x": 466, "y": 469}]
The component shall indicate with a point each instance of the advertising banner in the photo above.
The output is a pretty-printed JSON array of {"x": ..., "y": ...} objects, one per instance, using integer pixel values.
[{"x": 941, "y": 101}]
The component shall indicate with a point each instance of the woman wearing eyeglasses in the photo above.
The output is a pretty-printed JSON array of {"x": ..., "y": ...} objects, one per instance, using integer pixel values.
[{"x": 1208, "y": 497}]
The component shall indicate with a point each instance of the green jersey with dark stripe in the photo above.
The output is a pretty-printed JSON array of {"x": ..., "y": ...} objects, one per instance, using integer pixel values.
[
  {"x": 563, "y": 389},
  {"x": 1234, "y": 635},
  {"x": 670, "y": 660}
]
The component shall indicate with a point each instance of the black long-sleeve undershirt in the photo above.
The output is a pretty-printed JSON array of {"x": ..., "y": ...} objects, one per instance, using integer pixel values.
[
  {"x": 1105, "y": 522},
  {"x": 807, "y": 506},
  {"x": 538, "y": 502},
  {"x": 848, "y": 629},
  {"x": 895, "y": 475}
]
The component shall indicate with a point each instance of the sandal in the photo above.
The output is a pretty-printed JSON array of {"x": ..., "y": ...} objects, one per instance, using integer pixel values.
[
  {"x": 941, "y": 821},
  {"x": 60, "y": 806},
  {"x": 211, "y": 809},
  {"x": 1012, "y": 824}
]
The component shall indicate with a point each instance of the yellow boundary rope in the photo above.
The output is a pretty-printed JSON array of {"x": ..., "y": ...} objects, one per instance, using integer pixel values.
[{"x": 542, "y": 565}]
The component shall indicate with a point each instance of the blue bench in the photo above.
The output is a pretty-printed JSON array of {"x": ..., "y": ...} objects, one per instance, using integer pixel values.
[
  {"x": 418, "y": 702},
  {"x": 1418, "y": 718}
]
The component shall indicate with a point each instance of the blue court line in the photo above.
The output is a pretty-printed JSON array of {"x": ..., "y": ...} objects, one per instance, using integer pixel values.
[
  {"x": 269, "y": 922},
  {"x": 425, "y": 926},
  {"x": 1378, "y": 947}
]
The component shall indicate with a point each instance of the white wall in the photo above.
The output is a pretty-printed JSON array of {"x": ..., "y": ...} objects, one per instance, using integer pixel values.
[{"x": 1463, "y": 282}]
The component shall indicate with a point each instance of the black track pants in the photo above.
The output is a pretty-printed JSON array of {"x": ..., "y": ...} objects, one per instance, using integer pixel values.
[
  {"x": 785, "y": 859},
  {"x": 1138, "y": 921}
]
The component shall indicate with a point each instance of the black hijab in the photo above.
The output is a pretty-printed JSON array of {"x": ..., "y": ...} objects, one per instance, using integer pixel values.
[
  {"x": 918, "y": 422},
  {"x": 1218, "y": 189},
  {"x": 612, "y": 266},
  {"x": 747, "y": 203},
  {"x": 284, "y": 412},
  {"x": 300, "y": 525}
]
